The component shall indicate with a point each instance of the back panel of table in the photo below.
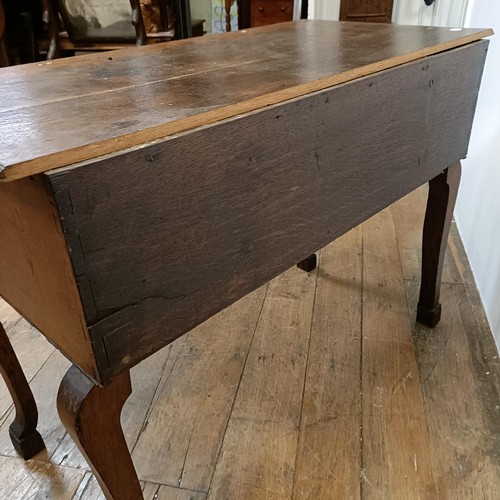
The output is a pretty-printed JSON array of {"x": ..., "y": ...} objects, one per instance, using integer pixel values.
[{"x": 165, "y": 236}]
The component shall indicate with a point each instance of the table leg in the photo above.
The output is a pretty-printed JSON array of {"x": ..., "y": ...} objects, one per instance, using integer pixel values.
[
  {"x": 23, "y": 434},
  {"x": 308, "y": 264},
  {"x": 91, "y": 415},
  {"x": 443, "y": 191}
]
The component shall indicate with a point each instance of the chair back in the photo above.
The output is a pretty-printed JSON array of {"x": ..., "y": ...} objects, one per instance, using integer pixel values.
[{"x": 95, "y": 21}]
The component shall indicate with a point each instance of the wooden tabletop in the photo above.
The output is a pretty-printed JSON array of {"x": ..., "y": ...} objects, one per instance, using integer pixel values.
[{"x": 57, "y": 113}]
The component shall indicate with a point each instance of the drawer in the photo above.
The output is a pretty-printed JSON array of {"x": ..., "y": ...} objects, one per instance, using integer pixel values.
[{"x": 271, "y": 12}]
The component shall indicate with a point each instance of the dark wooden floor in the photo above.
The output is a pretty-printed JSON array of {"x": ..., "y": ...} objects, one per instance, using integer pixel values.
[{"x": 316, "y": 386}]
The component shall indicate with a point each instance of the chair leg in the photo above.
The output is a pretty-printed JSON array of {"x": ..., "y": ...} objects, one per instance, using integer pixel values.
[
  {"x": 308, "y": 264},
  {"x": 91, "y": 415},
  {"x": 23, "y": 434},
  {"x": 4, "y": 55},
  {"x": 443, "y": 191}
]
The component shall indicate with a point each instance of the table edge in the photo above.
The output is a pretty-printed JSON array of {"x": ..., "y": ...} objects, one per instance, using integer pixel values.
[{"x": 112, "y": 145}]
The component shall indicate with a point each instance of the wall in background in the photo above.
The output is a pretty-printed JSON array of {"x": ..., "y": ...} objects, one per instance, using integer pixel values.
[
  {"x": 324, "y": 9},
  {"x": 478, "y": 205},
  {"x": 440, "y": 13}
]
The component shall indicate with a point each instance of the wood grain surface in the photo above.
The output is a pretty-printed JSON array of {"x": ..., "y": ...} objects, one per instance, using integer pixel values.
[
  {"x": 390, "y": 383},
  {"x": 230, "y": 207},
  {"x": 36, "y": 274},
  {"x": 189, "y": 453},
  {"x": 269, "y": 400},
  {"x": 328, "y": 453},
  {"x": 57, "y": 113}
]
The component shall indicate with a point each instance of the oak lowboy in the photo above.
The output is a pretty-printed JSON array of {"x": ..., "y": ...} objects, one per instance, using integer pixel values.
[{"x": 145, "y": 191}]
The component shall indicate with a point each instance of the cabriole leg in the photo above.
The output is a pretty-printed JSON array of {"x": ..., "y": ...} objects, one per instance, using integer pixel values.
[
  {"x": 308, "y": 264},
  {"x": 443, "y": 191},
  {"x": 91, "y": 415},
  {"x": 23, "y": 434}
]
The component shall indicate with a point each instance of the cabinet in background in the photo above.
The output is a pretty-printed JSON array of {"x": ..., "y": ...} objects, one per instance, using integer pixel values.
[
  {"x": 370, "y": 11},
  {"x": 263, "y": 12}
]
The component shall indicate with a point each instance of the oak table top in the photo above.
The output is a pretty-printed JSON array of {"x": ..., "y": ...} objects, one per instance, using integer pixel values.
[{"x": 125, "y": 98}]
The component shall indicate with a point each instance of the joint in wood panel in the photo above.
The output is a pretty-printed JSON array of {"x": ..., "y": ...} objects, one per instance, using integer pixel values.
[{"x": 66, "y": 213}]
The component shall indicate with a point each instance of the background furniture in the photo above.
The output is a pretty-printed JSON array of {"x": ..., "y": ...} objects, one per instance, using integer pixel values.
[
  {"x": 264, "y": 12},
  {"x": 110, "y": 272},
  {"x": 370, "y": 11},
  {"x": 252, "y": 13}
]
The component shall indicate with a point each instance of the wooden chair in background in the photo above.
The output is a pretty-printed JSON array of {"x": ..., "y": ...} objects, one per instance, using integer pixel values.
[
  {"x": 47, "y": 29},
  {"x": 90, "y": 25}
]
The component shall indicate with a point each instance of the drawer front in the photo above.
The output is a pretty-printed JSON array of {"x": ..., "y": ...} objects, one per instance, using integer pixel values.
[{"x": 271, "y": 12}]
